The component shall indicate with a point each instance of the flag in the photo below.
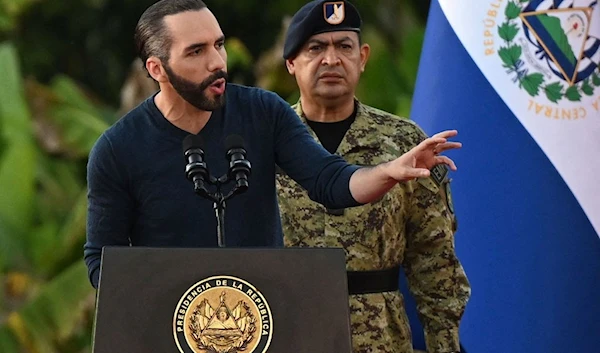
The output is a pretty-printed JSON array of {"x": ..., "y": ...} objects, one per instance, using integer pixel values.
[{"x": 520, "y": 82}]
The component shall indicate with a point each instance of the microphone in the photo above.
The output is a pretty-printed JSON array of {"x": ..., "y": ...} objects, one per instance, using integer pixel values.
[
  {"x": 196, "y": 170},
  {"x": 239, "y": 166}
]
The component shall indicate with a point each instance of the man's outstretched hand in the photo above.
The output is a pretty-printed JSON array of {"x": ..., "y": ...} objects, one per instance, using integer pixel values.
[
  {"x": 417, "y": 162},
  {"x": 368, "y": 184}
]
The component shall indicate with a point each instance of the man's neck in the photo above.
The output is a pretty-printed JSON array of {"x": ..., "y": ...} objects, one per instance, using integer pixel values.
[
  {"x": 327, "y": 110},
  {"x": 180, "y": 113}
]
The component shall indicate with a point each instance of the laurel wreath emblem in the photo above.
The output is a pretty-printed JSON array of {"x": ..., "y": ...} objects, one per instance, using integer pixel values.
[
  {"x": 237, "y": 344},
  {"x": 534, "y": 83}
]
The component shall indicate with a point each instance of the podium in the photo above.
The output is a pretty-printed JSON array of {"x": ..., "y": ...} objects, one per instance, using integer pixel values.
[{"x": 224, "y": 300}]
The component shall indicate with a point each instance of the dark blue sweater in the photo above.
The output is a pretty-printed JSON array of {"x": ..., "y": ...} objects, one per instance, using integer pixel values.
[{"x": 138, "y": 193}]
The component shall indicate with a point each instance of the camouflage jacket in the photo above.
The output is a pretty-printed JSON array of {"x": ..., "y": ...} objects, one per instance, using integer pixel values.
[{"x": 412, "y": 226}]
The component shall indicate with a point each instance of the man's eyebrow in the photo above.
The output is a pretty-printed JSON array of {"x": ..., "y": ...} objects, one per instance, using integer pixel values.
[
  {"x": 324, "y": 42},
  {"x": 201, "y": 45},
  {"x": 343, "y": 39},
  {"x": 195, "y": 46},
  {"x": 317, "y": 41}
]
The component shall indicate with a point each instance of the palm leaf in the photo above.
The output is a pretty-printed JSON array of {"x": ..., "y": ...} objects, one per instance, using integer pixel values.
[
  {"x": 381, "y": 82},
  {"x": 14, "y": 113},
  {"x": 67, "y": 238},
  {"x": 17, "y": 163},
  {"x": 80, "y": 128},
  {"x": 8, "y": 342},
  {"x": 68, "y": 91},
  {"x": 72, "y": 232},
  {"x": 408, "y": 66},
  {"x": 60, "y": 182},
  {"x": 53, "y": 316},
  {"x": 238, "y": 55},
  {"x": 17, "y": 175},
  {"x": 79, "y": 120},
  {"x": 42, "y": 247},
  {"x": 60, "y": 209},
  {"x": 12, "y": 252}
]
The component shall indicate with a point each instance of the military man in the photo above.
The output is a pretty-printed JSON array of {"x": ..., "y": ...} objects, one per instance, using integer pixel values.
[{"x": 412, "y": 226}]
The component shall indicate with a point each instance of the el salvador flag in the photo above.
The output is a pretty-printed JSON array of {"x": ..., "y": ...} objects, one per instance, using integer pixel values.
[{"x": 520, "y": 81}]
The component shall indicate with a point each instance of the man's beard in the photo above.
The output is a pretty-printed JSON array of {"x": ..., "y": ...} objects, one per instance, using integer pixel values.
[{"x": 193, "y": 92}]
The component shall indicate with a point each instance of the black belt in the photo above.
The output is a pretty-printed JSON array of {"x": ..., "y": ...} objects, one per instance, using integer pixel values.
[{"x": 363, "y": 282}]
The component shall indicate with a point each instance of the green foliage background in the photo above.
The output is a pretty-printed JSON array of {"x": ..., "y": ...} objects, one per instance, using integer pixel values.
[{"x": 64, "y": 67}]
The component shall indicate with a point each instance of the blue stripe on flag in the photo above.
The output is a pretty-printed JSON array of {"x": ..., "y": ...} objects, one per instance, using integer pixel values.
[{"x": 531, "y": 255}]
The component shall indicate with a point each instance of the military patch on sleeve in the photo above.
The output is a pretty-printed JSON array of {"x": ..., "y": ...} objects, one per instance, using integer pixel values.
[
  {"x": 449, "y": 199},
  {"x": 439, "y": 173}
]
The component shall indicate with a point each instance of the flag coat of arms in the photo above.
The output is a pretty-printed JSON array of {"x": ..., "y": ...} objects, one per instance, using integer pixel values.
[{"x": 520, "y": 80}]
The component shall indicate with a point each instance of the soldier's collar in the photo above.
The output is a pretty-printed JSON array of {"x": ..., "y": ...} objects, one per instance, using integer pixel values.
[{"x": 362, "y": 133}]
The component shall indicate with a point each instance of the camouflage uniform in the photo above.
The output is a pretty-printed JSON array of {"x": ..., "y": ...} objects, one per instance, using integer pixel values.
[{"x": 412, "y": 226}]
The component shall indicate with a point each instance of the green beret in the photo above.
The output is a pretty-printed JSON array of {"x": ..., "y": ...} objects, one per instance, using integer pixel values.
[{"x": 316, "y": 17}]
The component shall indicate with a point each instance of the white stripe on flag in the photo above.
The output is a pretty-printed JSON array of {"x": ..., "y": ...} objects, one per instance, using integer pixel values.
[{"x": 565, "y": 122}]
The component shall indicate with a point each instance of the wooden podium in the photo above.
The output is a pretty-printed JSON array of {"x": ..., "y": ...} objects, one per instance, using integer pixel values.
[{"x": 225, "y": 300}]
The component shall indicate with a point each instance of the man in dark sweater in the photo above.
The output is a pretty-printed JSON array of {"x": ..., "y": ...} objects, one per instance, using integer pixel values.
[{"x": 137, "y": 190}]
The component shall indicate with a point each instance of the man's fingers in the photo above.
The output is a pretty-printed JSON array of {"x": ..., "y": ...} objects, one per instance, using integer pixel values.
[
  {"x": 445, "y": 160},
  {"x": 446, "y": 134},
  {"x": 429, "y": 143},
  {"x": 441, "y": 138},
  {"x": 413, "y": 173},
  {"x": 447, "y": 146}
]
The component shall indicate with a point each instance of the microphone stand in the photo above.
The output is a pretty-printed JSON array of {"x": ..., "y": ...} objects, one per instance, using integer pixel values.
[
  {"x": 197, "y": 171},
  {"x": 219, "y": 205}
]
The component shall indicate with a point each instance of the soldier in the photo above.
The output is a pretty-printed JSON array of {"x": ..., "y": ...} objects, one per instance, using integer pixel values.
[
  {"x": 411, "y": 226},
  {"x": 135, "y": 169}
]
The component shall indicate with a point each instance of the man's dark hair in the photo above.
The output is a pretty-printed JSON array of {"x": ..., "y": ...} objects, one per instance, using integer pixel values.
[{"x": 151, "y": 35}]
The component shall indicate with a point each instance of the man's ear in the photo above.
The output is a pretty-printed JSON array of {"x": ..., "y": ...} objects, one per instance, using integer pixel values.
[
  {"x": 289, "y": 63},
  {"x": 156, "y": 70},
  {"x": 365, "y": 51}
]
